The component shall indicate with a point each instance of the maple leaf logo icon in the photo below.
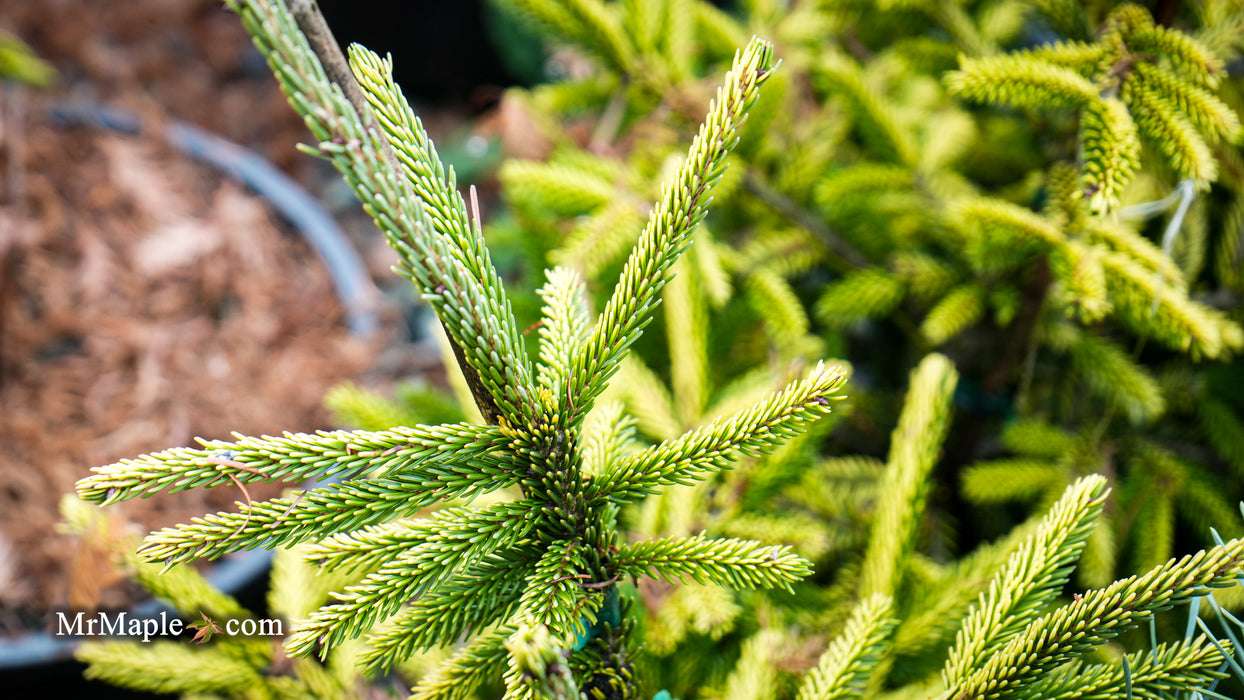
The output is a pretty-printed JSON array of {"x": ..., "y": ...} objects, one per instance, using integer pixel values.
[{"x": 204, "y": 629}]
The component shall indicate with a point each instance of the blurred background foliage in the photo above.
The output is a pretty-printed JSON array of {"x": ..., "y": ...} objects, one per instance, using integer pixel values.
[{"x": 1049, "y": 193}]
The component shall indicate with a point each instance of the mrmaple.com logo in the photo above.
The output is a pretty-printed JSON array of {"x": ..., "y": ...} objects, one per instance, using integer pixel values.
[{"x": 126, "y": 625}]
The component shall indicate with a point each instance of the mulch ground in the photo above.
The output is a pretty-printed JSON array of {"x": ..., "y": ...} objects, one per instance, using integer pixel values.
[{"x": 144, "y": 298}]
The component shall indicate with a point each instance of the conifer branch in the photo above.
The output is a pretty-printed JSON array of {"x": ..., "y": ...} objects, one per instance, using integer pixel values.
[
  {"x": 348, "y": 135},
  {"x": 994, "y": 215},
  {"x": 608, "y": 434},
  {"x": 451, "y": 541},
  {"x": 1110, "y": 151},
  {"x": 457, "y": 678},
  {"x": 434, "y": 452},
  {"x": 589, "y": 23},
  {"x": 445, "y": 208},
  {"x": 436, "y": 189},
  {"x": 730, "y": 563},
  {"x": 1002, "y": 480},
  {"x": 1082, "y": 57},
  {"x": 1017, "y": 81},
  {"x": 914, "y": 447},
  {"x": 536, "y": 668},
  {"x": 183, "y": 587},
  {"x": 1171, "y": 132},
  {"x": 774, "y": 419},
  {"x": 845, "y": 668},
  {"x": 1034, "y": 574},
  {"x": 599, "y": 240},
  {"x": 755, "y": 675},
  {"x": 1079, "y": 269},
  {"x": 800, "y": 217},
  {"x": 686, "y": 321},
  {"x": 413, "y": 403},
  {"x": 1166, "y": 671},
  {"x": 315, "y": 514},
  {"x": 869, "y": 292},
  {"x": 1177, "y": 322},
  {"x": 1168, "y": 106},
  {"x": 563, "y": 188},
  {"x": 682, "y": 206},
  {"x": 1211, "y": 116},
  {"x": 961, "y": 308},
  {"x": 481, "y": 328},
  {"x": 1123, "y": 239},
  {"x": 1112, "y": 374},
  {"x": 168, "y": 667},
  {"x": 1189, "y": 57},
  {"x": 873, "y": 115},
  {"x": 371, "y": 547},
  {"x": 485, "y": 595},
  {"x": 554, "y": 596},
  {"x": 648, "y": 399},
  {"x": 1097, "y": 617},
  {"x": 565, "y": 325}
]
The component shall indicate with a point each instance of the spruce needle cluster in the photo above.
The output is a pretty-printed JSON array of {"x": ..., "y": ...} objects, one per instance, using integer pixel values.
[{"x": 522, "y": 578}]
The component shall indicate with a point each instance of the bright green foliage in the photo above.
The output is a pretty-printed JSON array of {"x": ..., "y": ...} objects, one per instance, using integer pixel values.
[
  {"x": 868, "y": 293},
  {"x": 844, "y": 669},
  {"x": 1035, "y": 205},
  {"x": 1161, "y": 672},
  {"x": 914, "y": 448},
  {"x": 1098, "y": 616},
  {"x": 1122, "y": 92},
  {"x": 1016, "y": 639},
  {"x": 537, "y": 666},
  {"x": 413, "y": 404},
  {"x": 18, "y": 62},
  {"x": 543, "y": 566},
  {"x": 927, "y": 178},
  {"x": 1035, "y": 573},
  {"x": 754, "y": 676}
]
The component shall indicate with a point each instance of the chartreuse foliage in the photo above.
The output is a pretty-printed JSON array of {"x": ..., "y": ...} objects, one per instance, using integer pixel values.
[
  {"x": 1049, "y": 192},
  {"x": 1010, "y": 608},
  {"x": 996, "y": 619},
  {"x": 529, "y": 580},
  {"x": 1137, "y": 80}
]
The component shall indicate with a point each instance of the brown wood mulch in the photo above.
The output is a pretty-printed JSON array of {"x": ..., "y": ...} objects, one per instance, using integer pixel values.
[{"x": 144, "y": 299}]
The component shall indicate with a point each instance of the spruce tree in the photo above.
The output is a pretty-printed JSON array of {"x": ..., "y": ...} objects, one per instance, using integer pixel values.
[{"x": 599, "y": 464}]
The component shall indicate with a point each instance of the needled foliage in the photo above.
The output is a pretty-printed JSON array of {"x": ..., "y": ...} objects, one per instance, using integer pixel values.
[
  {"x": 1048, "y": 193},
  {"x": 1016, "y": 224},
  {"x": 533, "y": 577}
]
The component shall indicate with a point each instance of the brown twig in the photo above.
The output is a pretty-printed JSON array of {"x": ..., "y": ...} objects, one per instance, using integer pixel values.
[
  {"x": 801, "y": 218},
  {"x": 250, "y": 505},
  {"x": 568, "y": 577},
  {"x": 324, "y": 45},
  {"x": 287, "y": 510},
  {"x": 601, "y": 584},
  {"x": 223, "y": 461}
]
